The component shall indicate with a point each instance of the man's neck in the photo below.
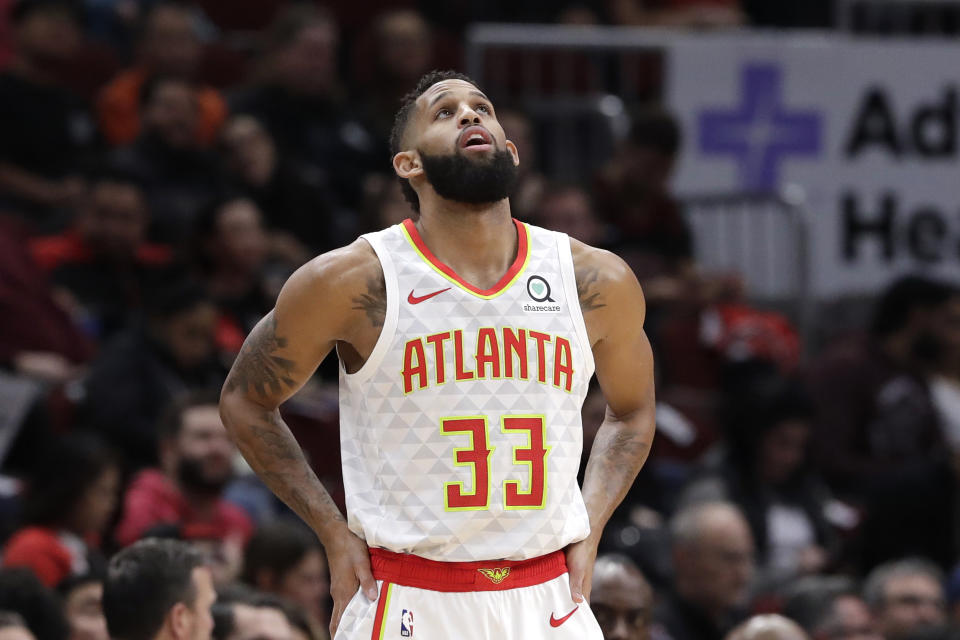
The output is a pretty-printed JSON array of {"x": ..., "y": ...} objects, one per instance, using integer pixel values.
[{"x": 478, "y": 242}]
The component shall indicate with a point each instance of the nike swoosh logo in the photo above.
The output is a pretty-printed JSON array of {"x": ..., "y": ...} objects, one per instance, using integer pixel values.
[
  {"x": 554, "y": 622},
  {"x": 412, "y": 299}
]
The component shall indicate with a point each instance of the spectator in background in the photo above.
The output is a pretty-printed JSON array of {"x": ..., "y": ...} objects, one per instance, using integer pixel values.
[
  {"x": 568, "y": 209},
  {"x": 830, "y": 608},
  {"x": 633, "y": 194},
  {"x": 70, "y": 499},
  {"x": 713, "y": 564},
  {"x": 768, "y": 627},
  {"x": 877, "y": 435},
  {"x": 21, "y": 592},
  {"x": 384, "y": 202},
  {"x": 285, "y": 558},
  {"x": 83, "y": 604},
  {"x": 531, "y": 184},
  {"x": 103, "y": 268},
  {"x": 765, "y": 470},
  {"x": 402, "y": 51},
  {"x": 298, "y": 97},
  {"x": 906, "y": 597},
  {"x": 196, "y": 464},
  {"x": 242, "y": 614},
  {"x": 38, "y": 339},
  {"x": 298, "y": 209},
  {"x": 695, "y": 14},
  {"x": 178, "y": 176},
  {"x": 158, "y": 590},
  {"x": 46, "y": 132},
  {"x": 234, "y": 262},
  {"x": 168, "y": 46},
  {"x": 140, "y": 372},
  {"x": 14, "y": 627},
  {"x": 621, "y": 599}
]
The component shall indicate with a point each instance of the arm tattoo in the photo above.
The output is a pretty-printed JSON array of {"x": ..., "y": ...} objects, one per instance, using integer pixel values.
[
  {"x": 258, "y": 368},
  {"x": 587, "y": 279},
  {"x": 618, "y": 453},
  {"x": 275, "y": 455},
  {"x": 374, "y": 301}
]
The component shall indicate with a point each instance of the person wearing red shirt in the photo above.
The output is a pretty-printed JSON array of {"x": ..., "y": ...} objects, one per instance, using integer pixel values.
[
  {"x": 70, "y": 499},
  {"x": 196, "y": 457}
]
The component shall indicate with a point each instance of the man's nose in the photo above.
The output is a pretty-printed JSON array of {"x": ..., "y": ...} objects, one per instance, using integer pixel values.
[{"x": 468, "y": 117}]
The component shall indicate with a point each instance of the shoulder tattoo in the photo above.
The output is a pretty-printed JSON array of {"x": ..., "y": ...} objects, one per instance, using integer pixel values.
[
  {"x": 588, "y": 290},
  {"x": 373, "y": 301}
]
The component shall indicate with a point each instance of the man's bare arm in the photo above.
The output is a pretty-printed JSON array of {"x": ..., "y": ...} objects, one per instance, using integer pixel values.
[
  {"x": 335, "y": 298},
  {"x": 614, "y": 311}
]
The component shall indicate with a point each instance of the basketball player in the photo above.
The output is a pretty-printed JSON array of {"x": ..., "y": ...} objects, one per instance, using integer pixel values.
[{"x": 466, "y": 341}]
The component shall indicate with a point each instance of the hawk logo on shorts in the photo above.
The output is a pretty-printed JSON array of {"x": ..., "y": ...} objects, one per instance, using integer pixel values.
[
  {"x": 406, "y": 623},
  {"x": 496, "y": 576}
]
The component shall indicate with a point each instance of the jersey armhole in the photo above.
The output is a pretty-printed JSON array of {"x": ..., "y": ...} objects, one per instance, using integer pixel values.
[
  {"x": 390, "y": 318},
  {"x": 570, "y": 291}
]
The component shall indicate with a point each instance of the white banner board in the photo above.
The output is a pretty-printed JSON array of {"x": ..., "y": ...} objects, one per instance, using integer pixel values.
[{"x": 868, "y": 129}]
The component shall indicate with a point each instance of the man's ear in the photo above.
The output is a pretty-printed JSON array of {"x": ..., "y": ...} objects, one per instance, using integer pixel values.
[
  {"x": 180, "y": 619},
  {"x": 407, "y": 164},
  {"x": 512, "y": 148}
]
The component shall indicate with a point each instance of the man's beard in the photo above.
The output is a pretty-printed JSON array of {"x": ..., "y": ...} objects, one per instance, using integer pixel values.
[
  {"x": 456, "y": 177},
  {"x": 194, "y": 479}
]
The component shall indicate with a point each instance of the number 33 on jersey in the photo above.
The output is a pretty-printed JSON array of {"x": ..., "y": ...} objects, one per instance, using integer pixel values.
[{"x": 461, "y": 435}]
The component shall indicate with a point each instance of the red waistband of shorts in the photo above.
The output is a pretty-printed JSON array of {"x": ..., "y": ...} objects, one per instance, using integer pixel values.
[{"x": 495, "y": 575}]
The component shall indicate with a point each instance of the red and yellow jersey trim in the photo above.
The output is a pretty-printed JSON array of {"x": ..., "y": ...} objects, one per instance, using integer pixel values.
[{"x": 519, "y": 264}]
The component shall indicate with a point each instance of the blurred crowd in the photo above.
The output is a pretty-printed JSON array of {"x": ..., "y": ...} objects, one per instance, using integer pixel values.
[{"x": 165, "y": 166}]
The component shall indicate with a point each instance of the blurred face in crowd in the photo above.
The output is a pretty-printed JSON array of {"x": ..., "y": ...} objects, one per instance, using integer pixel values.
[
  {"x": 405, "y": 46},
  {"x": 202, "y": 453},
  {"x": 460, "y": 147},
  {"x": 307, "y": 65},
  {"x": 783, "y": 450},
  {"x": 251, "y": 153},
  {"x": 48, "y": 36},
  {"x": 569, "y": 211},
  {"x": 96, "y": 505},
  {"x": 114, "y": 219},
  {"x": 171, "y": 114},
  {"x": 648, "y": 167},
  {"x": 768, "y": 627},
  {"x": 259, "y": 623},
  {"x": 15, "y": 633},
  {"x": 715, "y": 570},
  {"x": 84, "y": 610},
  {"x": 241, "y": 241},
  {"x": 196, "y": 621},
  {"x": 170, "y": 44},
  {"x": 850, "y": 620},
  {"x": 307, "y": 584},
  {"x": 189, "y": 335},
  {"x": 622, "y": 602},
  {"x": 911, "y": 603}
]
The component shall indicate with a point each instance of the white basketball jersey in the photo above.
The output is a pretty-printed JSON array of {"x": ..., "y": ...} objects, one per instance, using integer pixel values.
[{"x": 461, "y": 435}]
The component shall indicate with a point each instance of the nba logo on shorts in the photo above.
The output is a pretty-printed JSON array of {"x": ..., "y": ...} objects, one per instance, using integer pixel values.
[{"x": 406, "y": 624}]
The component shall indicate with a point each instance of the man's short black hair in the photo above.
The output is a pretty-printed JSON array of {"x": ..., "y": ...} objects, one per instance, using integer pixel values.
[
  {"x": 145, "y": 581},
  {"x": 402, "y": 119},
  {"x": 277, "y": 547},
  {"x": 171, "y": 421},
  {"x": 22, "y": 592},
  {"x": 655, "y": 128},
  {"x": 903, "y": 297}
]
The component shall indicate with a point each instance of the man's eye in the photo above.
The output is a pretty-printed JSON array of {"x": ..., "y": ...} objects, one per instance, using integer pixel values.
[
  {"x": 443, "y": 113},
  {"x": 484, "y": 108}
]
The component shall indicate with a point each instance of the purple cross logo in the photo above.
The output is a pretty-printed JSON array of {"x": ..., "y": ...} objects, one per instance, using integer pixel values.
[{"x": 760, "y": 133}]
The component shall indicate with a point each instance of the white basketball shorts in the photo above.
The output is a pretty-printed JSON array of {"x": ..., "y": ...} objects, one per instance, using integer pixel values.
[{"x": 497, "y": 600}]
